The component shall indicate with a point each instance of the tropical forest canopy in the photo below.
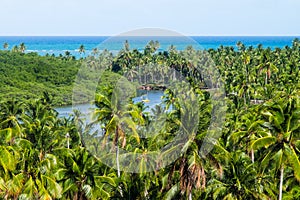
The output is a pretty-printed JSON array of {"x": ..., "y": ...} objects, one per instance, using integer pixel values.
[{"x": 256, "y": 155}]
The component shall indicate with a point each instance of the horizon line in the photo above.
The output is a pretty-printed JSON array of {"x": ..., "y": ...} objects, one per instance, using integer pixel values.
[{"x": 191, "y": 35}]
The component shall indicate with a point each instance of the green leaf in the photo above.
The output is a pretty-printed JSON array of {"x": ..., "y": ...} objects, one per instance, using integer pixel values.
[
  {"x": 263, "y": 142},
  {"x": 7, "y": 134},
  {"x": 75, "y": 168},
  {"x": 7, "y": 159},
  {"x": 52, "y": 186},
  {"x": 105, "y": 179},
  {"x": 30, "y": 189},
  {"x": 172, "y": 192},
  {"x": 293, "y": 160}
]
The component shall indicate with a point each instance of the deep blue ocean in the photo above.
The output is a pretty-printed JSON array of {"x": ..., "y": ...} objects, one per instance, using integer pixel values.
[{"x": 60, "y": 44}]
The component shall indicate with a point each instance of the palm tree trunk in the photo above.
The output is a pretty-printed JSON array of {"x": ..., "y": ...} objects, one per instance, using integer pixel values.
[
  {"x": 146, "y": 193},
  {"x": 117, "y": 159},
  {"x": 281, "y": 183},
  {"x": 252, "y": 155},
  {"x": 248, "y": 93},
  {"x": 81, "y": 139},
  {"x": 190, "y": 196},
  {"x": 117, "y": 153}
]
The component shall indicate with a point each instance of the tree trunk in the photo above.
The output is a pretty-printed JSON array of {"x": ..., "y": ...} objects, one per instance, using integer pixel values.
[
  {"x": 146, "y": 193},
  {"x": 117, "y": 152},
  {"x": 281, "y": 183},
  {"x": 190, "y": 196},
  {"x": 252, "y": 155},
  {"x": 117, "y": 158},
  {"x": 174, "y": 74},
  {"x": 81, "y": 139}
]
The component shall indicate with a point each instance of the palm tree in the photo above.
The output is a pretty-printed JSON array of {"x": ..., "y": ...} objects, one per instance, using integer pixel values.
[
  {"x": 282, "y": 123},
  {"x": 266, "y": 65},
  {"x": 95, "y": 51},
  {"x": 81, "y": 49},
  {"x": 78, "y": 174},
  {"x": 11, "y": 116},
  {"x": 239, "y": 180},
  {"x": 37, "y": 161},
  {"x": 22, "y": 47},
  {"x": 194, "y": 157},
  {"x": 67, "y": 54},
  {"x": 5, "y": 46},
  {"x": 116, "y": 113},
  {"x": 126, "y": 46},
  {"x": 15, "y": 49},
  {"x": 115, "y": 119},
  {"x": 248, "y": 129}
]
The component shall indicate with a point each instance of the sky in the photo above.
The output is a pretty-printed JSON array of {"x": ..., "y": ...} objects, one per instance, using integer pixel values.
[{"x": 112, "y": 17}]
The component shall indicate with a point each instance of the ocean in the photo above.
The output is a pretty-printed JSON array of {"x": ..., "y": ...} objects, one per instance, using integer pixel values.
[{"x": 60, "y": 44}]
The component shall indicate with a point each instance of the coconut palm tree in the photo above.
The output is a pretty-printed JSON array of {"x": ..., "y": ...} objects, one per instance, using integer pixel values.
[
  {"x": 22, "y": 47},
  {"x": 11, "y": 116},
  {"x": 95, "y": 51},
  {"x": 239, "y": 180},
  {"x": 126, "y": 46},
  {"x": 5, "y": 46},
  {"x": 266, "y": 65},
  {"x": 248, "y": 129},
  {"x": 282, "y": 123},
  {"x": 116, "y": 123},
  {"x": 81, "y": 49},
  {"x": 78, "y": 175},
  {"x": 67, "y": 54},
  {"x": 15, "y": 49}
]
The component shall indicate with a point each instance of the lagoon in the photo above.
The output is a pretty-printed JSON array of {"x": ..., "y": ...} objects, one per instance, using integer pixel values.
[{"x": 154, "y": 97}]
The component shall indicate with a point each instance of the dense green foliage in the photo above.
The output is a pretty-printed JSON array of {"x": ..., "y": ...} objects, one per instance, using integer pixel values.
[
  {"x": 256, "y": 157},
  {"x": 27, "y": 76}
]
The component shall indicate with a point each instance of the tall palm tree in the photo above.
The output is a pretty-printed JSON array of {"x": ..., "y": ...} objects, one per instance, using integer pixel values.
[
  {"x": 282, "y": 122},
  {"x": 126, "y": 46},
  {"x": 15, "y": 49},
  {"x": 78, "y": 174},
  {"x": 239, "y": 180},
  {"x": 11, "y": 116},
  {"x": 22, "y": 47},
  {"x": 117, "y": 123},
  {"x": 95, "y": 51},
  {"x": 248, "y": 129},
  {"x": 81, "y": 49},
  {"x": 266, "y": 65},
  {"x": 67, "y": 54},
  {"x": 5, "y": 46}
]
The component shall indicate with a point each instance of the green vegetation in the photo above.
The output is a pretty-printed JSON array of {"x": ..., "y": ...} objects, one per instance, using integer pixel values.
[
  {"x": 256, "y": 157},
  {"x": 27, "y": 76}
]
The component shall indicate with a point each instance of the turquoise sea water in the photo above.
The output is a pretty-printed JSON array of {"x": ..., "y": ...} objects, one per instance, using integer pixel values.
[{"x": 60, "y": 44}]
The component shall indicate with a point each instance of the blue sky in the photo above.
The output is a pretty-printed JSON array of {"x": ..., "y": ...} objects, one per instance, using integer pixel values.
[{"x": 111, "y": 17}]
